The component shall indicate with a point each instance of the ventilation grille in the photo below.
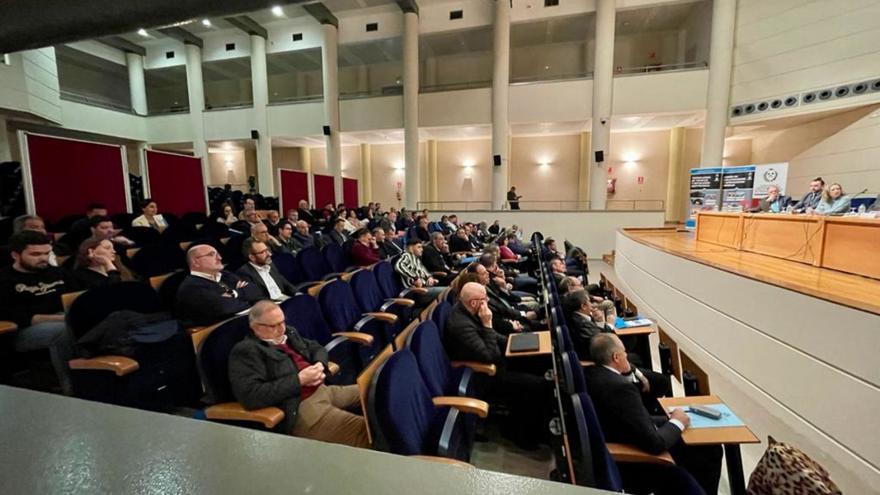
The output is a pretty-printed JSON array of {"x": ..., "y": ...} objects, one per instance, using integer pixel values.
[{"x": 806, "y": 98}]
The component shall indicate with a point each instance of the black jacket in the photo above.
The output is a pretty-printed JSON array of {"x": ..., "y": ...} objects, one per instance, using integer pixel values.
[
  {"x": 622, "y": 414},
  {"x": 582, "y": 333},
  {"x": 262, "y": 375},
  {"x": 389, "y": 249},
  {"x": 434, "y": 260},
  {"x": 466, "y": 339},
  {"x": 338, "y": 238},
  {"x": 249, "y": 274},
  {"x": 202, "y": 302},
  {"x": 457, "y": 244}
]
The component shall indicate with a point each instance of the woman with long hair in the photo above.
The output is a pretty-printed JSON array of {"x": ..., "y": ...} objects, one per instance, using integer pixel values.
[{"x": 97, "y": 266}]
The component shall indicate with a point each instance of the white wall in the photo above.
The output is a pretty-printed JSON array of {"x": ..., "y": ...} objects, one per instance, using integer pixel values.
[
  {"x": 776, "y": 364},
  {"x": 87, "y": 118},
  {"x": 30, "y": 84}
]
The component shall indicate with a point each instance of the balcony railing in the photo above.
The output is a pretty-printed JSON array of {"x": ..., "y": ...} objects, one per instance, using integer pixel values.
[
  {"x": 95, "y": 101},
  {"x": 547, "y": 205},
  {"x": 628, "y": 71}
]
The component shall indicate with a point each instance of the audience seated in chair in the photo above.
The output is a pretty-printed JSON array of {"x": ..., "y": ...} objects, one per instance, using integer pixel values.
[
  {"x": 36, "y": 224},
  {"x": 338, "y": 234},
  {"x": 436, "y": 258},
  {"x": 285, "y": 238},
  {"x": 275, "y": 366},
  {"x": 625, "y": 419},
  {"x": 150, "y": 216},
  {"x": 262, "y": 274},
  {"x": 97, "y": 266},
  {"x": 30, "y": 296},
  {"x": 364, "y": 249},
  {"x": 81, "y": 226},
  {"x": 273, "y": 221},
  {"x": 414, "y": 274},
  {"x": 302, "y": 235},
  {"x": 387, "y": 247},
  {"x": 260, "y": 233},
  {"x": 209, "y": 293}
]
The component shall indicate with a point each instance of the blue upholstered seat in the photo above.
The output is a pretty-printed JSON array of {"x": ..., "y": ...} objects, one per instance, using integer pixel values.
[
  {"x": 437, "y": 372},
  {"x": 213, "y": 358},
  {"x": 440, "y": 315},
  {"x": 335, "y": 257},
  {"x": 312, "y": 264},
  {"x": 342, "y": 313},
  {"x": 370, "y": 298}
]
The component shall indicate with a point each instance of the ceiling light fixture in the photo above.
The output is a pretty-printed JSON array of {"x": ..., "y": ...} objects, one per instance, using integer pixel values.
[
  {"x": 143, "y": 32},
  {"x": 277, "y": 11},
  {"x": 206, "y": 22}
]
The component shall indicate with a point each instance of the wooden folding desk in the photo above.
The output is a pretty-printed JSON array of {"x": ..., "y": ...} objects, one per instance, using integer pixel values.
[
  {"x": 643, "y": 342},
  {"x": 729, "y": 437},
  {"x": 544, "y": 347}
]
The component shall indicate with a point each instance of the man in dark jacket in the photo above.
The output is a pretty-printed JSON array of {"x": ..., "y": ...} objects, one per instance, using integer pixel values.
[
  {"x": 436, "y": 258},
  {"x": 262, "y": 274},
  {"x": 275, "y": 366},
  {"x": 209, "y": 293},
  {"x": 625, "y": 419}
]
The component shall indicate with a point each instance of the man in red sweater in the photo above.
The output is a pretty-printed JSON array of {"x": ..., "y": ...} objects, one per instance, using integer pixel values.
[{"x": 364, "y": 251}]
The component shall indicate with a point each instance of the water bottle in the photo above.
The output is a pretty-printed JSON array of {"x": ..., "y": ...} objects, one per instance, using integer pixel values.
[{"x": 862, "y": 208}]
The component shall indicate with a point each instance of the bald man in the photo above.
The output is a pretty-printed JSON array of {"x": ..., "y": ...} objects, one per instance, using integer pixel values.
[
  {"x": 469, "y": 336},
  {"x": 209, "y": 293}
]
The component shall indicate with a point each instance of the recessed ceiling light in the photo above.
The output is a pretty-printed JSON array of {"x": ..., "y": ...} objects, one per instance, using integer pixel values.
[
  {"x": 142, "y": 32},
  {"x": 206, "y": 22},
  {"x": 277, "y": 11}
]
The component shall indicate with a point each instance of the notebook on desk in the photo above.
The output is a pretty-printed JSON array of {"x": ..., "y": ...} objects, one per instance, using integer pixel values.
[{"x": 524, "y": 342}]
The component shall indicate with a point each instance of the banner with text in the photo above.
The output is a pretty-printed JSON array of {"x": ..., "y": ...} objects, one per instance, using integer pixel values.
[
  {"x": 737, "y": 184},
  {"x": 705, "y": 192},
  {"x": 769, "y": 174}
]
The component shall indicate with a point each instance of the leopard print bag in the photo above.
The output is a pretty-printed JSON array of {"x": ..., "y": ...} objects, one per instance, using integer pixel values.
[{"x": 786, "y": 470}]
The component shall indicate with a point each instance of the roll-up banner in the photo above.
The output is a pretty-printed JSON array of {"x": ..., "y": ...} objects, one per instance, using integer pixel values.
[
  {"x": 736, "y": 188},
  {"x": 705, "y": 193}
]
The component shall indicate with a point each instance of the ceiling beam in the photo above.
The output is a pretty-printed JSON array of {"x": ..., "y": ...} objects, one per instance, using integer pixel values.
[
  {"x": 123, "y": 44},
  {"x": 408, "y": 6},
  {"x": 248, "y": 25},
  {"x": 321, "y": 13},
  {"x": 182, "y": 35}
]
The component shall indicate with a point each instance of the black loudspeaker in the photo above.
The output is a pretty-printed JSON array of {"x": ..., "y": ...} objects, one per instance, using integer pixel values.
[
  {"x": 600, "y": 156},
  {"x": 496, "y": 160},
  {"x": 665, "y": 359},
  {"x": 326, "y": 130},
  {"x": 255, "y": 134},
  {"x": 691, "y": 386}
]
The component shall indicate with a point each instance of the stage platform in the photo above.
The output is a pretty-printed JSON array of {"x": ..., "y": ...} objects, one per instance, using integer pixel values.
[{"x": 853, "y": 291}]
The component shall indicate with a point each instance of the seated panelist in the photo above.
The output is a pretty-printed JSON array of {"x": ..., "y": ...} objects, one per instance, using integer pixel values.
[{"x": 773, "y": 203}]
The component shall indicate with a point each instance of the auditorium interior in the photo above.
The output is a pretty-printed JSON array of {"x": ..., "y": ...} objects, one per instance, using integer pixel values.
[{"x": 382, "y": 246}]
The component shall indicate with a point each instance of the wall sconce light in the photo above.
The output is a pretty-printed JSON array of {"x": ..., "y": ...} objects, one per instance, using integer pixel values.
[
  {"x": 468, "y": 163},
  {"x": 398, "y": 166},
  {"x": 229, "y": 164}
]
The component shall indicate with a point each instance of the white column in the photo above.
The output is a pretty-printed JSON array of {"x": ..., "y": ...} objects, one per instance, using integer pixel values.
[
  {"x": 718, "y": 94},
  {"x": 412, "y": 174},
  {"x": 5, "y": 148},
  {"x": 500, "y": 88},
  {"x": 366, "y": 174},
  {"x": 196, "y": 92},
  {"x": 330, "y": 67},
  {"x": 136, "y": 85},
  {"x": 305, "y": 158},
  {"x": 603, "y": 95},
  {"x": 259, "y": 82}
]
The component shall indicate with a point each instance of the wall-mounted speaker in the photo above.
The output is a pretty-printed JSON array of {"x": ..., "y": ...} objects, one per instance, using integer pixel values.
[
  {"x": 255, "y": 134},
  {"x": 326, "y": 129},
  {"x": 496, "y": 160},
  {"x": 599, "y": 155}
]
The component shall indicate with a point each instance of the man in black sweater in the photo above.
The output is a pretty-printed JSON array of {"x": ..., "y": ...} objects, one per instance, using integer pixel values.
[
  {"x": 209, "y": 293},
  {"x": 275, "y": 366},
  {"x": 436, "y": 258},
  {"x": 30, "y": 297},
  {"x": 625, "y": 419}
]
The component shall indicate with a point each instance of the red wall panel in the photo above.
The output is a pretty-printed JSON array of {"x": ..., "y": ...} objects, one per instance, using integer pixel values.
[
  {"x": 294, "y": 187},
  {"x": 324, "y": 191},
  {"x": 67, "y": 175},
  {"x": 350, "y": 192},
  {"x": 176, "y": 183}
]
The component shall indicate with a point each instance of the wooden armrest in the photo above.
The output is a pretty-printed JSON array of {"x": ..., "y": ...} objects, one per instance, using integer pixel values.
[
  {"x": 192, "y": 330},
  {"x": 130, "y": 252},
  {"x": 386, "y": 317},
  {"x": 439, "y": 274},
  {"x": 359, "y": 337},
  {"x": 622, "y": 452},
  {"x": 587, "y": 363},
  {"x": 120, "y": 365},
  {"x": 7, "y": 327},
  {"x": 402, "y": 301},
  {"x": 233, "y": 411},
  {"x": 485, "y": 368},
  {"x": 464, "y": 404},
  {"x": 332, "y": 368},
  {"x": 418, "y": 290},
  {"x": 443, "y": 460}
]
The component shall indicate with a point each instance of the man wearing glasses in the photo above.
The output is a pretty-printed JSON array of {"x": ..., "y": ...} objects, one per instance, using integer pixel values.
[
  {"x": 260, "y": 272},
  {"x": 209, "y": 293}
]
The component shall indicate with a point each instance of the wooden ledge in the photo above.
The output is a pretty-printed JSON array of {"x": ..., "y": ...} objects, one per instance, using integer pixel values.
[
  {"x": 443, "y": 460},
  {"x": 464, "y": 404},
  {"x": 386, "y": 317},
  {"x": 233, "y": 411},
  {"x": 359, "y": 337},
  {"x": 621, "y": 452},
  {"x": 120, "y": 365},
  {"x": 7, "y": 327},
  {"x": 484, "y": 368}
]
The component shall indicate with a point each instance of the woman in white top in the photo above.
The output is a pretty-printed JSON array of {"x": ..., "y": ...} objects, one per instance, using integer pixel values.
[
  {"x": 150, "y": 218},
  {"x": 228, "y": 216}
]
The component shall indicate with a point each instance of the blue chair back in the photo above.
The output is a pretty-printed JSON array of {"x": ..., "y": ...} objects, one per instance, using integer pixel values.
[
  {"x": 440, "y": 315},
  {"x": 93, "y": 305},
  {"x": 157, "y": 259},
  {"x": 339, "y": 306},
  {"x": 573, "y": 373},
  {"x": 286, "y": 265},
  {"x": 426, "y": 346},
  {"x": 366, "y": 290},
  {"x": 303, "y": 312},
  {"x": 387, "y": 279},
  {"x": 312, "y": 263},
  {"x": 213, "y": 358},
  {"x": 335, "y": 257},
  {"x": 434, "y": 227},
  {"x": 597, "y": 467}
]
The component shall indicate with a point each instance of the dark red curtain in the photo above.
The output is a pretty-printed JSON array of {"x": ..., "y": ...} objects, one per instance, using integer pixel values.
[
  {"x": 67, "y": 175},
  {"x": 350, "y": 192},
  {"x": 176, "y": 182},
  {"x": 324, "y": 192},
  {"x": 294, "y": 187}
]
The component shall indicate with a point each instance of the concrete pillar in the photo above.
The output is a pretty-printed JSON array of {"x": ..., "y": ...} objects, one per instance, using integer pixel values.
[
  {"x": 366, "y": 174},
  {"x": 5, "y": 147},
  {"x": 412, "y": 173},
  {"x": 681, "y": 54},
  {"x": 603, "y": 95},
  {"x": 433, "y": 177},
  {"x": 141, "y": 166},
  {"x": 330, "y": 67},
  {"x": 500, "y": 89},
  {"x": 674, "y": 175},
  {"x": 583, "y": 189},
  {"x": 260, "y": 87},
  {"x": 718, "y": 93},
  {"x": 196, "y": 93},
  {"x": 136, "y": 85},
  {"x": 305, "y": 158},
  {"x": 363, "y": 80}
]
